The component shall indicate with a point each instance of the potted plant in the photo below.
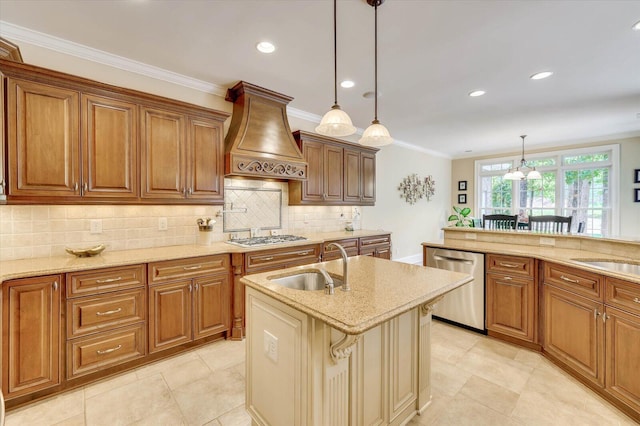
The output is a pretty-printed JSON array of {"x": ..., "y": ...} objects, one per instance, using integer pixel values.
[{"x": 461, "y": 217}]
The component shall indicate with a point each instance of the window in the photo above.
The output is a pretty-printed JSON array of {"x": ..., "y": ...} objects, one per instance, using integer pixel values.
[{"x": 579, "y": 183}]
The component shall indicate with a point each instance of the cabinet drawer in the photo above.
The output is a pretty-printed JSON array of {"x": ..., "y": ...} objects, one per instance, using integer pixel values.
[
  {"x": 511, "y": 265},
  {"x": 92, "y": 353},
  {"x": 93, "y": 314},
  {"x": 331, "y": 253},
  {"x": 622, "y": 294},
  {"x": 104, "y": 280},
  {"x": 575, "y": 280},
  {"x": 280, "y": 258},
  {"x": 187, "y": 268},
  {"x": 377, "y": 240}
]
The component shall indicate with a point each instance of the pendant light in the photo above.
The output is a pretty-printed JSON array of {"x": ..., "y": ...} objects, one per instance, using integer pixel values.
[
  {"x": 376, "y": 134},
  {"x": 335, "y": 122},
  {"x": 518, "y": 172}
]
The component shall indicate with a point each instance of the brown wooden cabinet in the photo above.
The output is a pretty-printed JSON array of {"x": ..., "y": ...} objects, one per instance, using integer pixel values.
[
  {"x": 188, "y": 299},
  {"x": 3, "y": 140},
  {"x": 376, "y": 246},
  {"x": 339, "y": 172},
  {"x": 350, "y": 245},
  {"x": 31, "y": 334},
  {"x": 511, "y": 297}
]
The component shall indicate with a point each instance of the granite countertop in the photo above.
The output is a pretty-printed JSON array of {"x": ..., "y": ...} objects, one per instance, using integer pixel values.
[
  {"x": 67, "y": 263},
  {"x": 380, "y": 290},
  {"x": 563, "y": 256}
]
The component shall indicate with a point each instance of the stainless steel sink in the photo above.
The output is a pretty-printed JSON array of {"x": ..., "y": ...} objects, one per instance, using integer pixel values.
[
  {"x": 309, "y": 280},
  {"x": 624, "y": 267}
]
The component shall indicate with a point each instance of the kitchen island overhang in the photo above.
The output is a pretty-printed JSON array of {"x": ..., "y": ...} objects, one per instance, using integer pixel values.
[{"x": 353, "y": 357}]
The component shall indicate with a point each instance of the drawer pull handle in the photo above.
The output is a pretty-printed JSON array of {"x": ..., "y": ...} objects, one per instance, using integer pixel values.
[
  {"x": 115, "y": 311},
  {"x": 635, "y": 299},
  {"x": 107, "y": 351},
  {"x": 191, "y": 268},
  {"x": 508, "y": 265},
  {"x": 304, "y": 253},
  {"x": 109, "y": 280},
  {"x": 507, "y": 278},
  {"x": 268, "y": 258},
  {"x": 596, "y": 314},
  {"x": 563, "y": 278},
  {"x": 55, "y": 286}
]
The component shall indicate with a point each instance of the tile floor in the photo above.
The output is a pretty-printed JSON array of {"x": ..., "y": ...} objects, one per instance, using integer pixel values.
[{"x": 476, "y": 381}]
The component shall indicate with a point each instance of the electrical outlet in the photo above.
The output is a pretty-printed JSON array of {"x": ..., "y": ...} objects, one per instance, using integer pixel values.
[
  {"x": 95, "y": 226},
  {"x": 547, "y": 241},
  {"x": 271, "y": 346},
  {"x": 275, "y": 232},
  {"x": 306, "y": 218},
  {"x": 471, "y": 235},
  {"x": 162, "y": 224}
]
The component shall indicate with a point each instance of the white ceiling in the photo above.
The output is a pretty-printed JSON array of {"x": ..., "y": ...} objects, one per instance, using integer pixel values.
[{"x": 431, "y": 55}]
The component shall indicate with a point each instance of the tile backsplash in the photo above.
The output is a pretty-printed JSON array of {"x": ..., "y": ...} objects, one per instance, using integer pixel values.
[{"x": 45, "y": 230}]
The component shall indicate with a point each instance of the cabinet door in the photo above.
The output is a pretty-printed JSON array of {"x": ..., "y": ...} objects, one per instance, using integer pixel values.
[
  {"x": 313, "y": 188},
  {"x": 43, "y": 132},
  {"x": 368, "y": 181},
  {"x": 109, "y": 148},
  {"x": 3, "y": 178},
  {"x": 623, "y": 362},
  {"x": 511, "y": 305},
  {"x": 333, "y": 173},
  {"x": 163, "y": 142},
  {"x": 211, "y": 305},
  {"x": 205, "y": 160},
  {"x": 169, "y": 315},
  {"x": 352, "y": 176},
  {"x": 383, "y": 252},
  {"x": 31, "y": 330},
  {"x": 574, "y": 332}
]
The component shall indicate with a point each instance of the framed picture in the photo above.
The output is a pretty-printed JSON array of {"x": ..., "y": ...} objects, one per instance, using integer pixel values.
[
  {"x": 462, "y": 184},
  {"x": 636, "y": 176},
  {"x": 636, "y": 198},
  {"x": 462, "y": 198}
]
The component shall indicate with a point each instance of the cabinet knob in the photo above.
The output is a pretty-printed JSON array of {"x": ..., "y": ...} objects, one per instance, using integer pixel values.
[
  {"x": 635, "y": 299},
  {"x": 2, "y": 184},
  {"x": 197, "y": 286},
  {"x": 190, "y": 192},
  {"x": 190, "y": 288},
  {"x": 85, "y": 187},
  {"x": 605, "y": 317},
  {"x": 75, "y": 187},
  {"x": 55, "y": 285},
  {"x": 596, "y": 314}
]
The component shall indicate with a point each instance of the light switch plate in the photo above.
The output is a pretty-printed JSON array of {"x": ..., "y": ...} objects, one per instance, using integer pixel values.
[
  {"x": 95, "y": 226},
  {"x": 162, "y": 224}
]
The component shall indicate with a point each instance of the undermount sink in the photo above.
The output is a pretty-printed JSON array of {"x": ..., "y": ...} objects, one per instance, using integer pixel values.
[
  {"x": 308, "y": 281},
  {"x": 625, "y": 267}
]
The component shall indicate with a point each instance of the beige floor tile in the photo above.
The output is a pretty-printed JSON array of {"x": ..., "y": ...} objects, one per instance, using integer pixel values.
[
  {"x": 108, "y": 384},
  {"x": 236, "y": 417},
  {"x": 186, "y": 373},
  {"x": 434, "y": 411},
  {"x": 496, "y": 369},
  {"x": 563, "y": 389},
  {"x": 165, "y": 364},
  {"x": 73, "y": 421},
  {"x": 447, "y": 378},
  {"x": 171, "y": 416},
  {"x": 492, "y": 346},
  {"x": 129, "y": 403},
  {"x": 490, "y": 395},
  {"x": 223, "y": 354},
  {"x": 463, "y": 411},
  {"x": 209, "y": 398},
  {"x": 49, "y": 412},
  {"x": 528, "y": 358}
]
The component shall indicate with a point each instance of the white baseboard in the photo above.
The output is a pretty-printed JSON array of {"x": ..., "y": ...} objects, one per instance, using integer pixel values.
[{"x": 414, "y": 259}]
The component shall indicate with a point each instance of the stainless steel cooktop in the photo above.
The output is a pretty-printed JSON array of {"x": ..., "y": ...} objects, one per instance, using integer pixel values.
[{"x": 264, "y": 241}]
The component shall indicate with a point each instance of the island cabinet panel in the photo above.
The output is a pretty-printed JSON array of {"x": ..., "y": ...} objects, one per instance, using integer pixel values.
[
  {"x": 109, "y": 148},
  {"x": 170, "y": 320},
  {"x": 574, "y": 332},
  {"x": 622, "y": 360},
  {"x": 512, "y": 297},
  {"x": 43, "y": 139},
  {"x": 31, "y": 335},
  {"x": 403, "y": 364}
]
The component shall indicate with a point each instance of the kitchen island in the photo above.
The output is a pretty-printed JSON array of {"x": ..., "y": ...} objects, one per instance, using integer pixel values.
[{"x": 356, "y": 357}]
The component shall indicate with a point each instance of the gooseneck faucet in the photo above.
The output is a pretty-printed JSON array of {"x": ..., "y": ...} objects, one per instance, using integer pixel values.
[{"x": 345, "y": 281}]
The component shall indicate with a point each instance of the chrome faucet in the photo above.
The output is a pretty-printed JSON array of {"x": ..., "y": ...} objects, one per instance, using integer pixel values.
[
  {"x": 345, "y": 281},
  {"x": 328, "y": 281}
]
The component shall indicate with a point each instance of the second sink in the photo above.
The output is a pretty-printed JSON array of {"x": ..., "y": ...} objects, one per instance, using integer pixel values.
[{"x": 309, "y": 280}]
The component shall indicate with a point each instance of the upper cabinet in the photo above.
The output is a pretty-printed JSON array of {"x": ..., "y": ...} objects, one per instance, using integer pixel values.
[
  {"x": 71, "y": 140},
  {"x": 339, "y": 172}
]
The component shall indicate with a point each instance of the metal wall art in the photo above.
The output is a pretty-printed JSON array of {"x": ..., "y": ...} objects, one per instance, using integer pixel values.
[{"x": 413, "y": 188}]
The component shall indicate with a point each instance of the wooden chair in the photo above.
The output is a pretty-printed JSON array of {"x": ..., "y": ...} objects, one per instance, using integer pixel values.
[
  {"x": 499, "y": 221},
  {"x": 550, "y": 223}
]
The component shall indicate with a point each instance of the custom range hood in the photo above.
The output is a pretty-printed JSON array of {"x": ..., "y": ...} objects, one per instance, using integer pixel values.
[{"x": 259, "y": 143}]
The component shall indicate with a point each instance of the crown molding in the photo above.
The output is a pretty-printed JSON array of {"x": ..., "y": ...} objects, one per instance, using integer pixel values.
[{"x": 18, "y": 33}]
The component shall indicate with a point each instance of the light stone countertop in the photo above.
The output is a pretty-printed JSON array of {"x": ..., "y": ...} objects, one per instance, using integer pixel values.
[
  {"x": 60, "y": 264},
  {"x": 563, "y": 256},
  {"x": 380, "y": 290}
]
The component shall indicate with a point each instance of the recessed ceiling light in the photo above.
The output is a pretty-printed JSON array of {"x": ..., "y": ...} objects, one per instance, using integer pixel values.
[
  {"x": 347, "y": 84},
  {"x": 541, "y": 75},
  {"x": 266, "y": 47},
  {"x": 477, "y": 93},
  {"x": 636, "y": 26}
]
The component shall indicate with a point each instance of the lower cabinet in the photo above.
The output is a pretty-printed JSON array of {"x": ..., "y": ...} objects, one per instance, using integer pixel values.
[
  {"x": 189, "y": 308},
  {"x": 376, "y": 246},
  {"x": 31, "y": 334},
  {"x": 511, "y": 306}
]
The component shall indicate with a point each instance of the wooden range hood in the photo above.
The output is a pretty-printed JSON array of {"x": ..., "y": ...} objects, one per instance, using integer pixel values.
[{"x": 259, "y": 143}]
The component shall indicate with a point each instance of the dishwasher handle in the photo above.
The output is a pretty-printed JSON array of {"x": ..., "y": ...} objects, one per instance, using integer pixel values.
[{"x": 452, "y": 259}]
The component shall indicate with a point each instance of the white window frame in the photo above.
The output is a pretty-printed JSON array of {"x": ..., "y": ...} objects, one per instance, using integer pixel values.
[{"x": 614, "y": 178}]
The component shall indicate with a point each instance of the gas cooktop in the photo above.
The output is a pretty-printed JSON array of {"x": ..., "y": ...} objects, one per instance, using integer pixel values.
[{"x": 263, "y": 241}]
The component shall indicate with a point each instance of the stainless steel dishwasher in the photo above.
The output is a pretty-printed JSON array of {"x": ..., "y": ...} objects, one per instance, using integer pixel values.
[{"x": 465, "y": 305}]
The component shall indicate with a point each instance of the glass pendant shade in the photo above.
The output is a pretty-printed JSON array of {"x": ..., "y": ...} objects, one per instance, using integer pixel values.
[
  {"x": 518, "y": 173},
  {"x": 336, "y": 123},
  {"x": 534, "y": 174},
  {"x": 376, "y": 135}
]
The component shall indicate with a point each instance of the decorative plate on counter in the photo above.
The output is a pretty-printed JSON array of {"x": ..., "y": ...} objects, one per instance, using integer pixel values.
[{"x": 86, "y": 252}]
